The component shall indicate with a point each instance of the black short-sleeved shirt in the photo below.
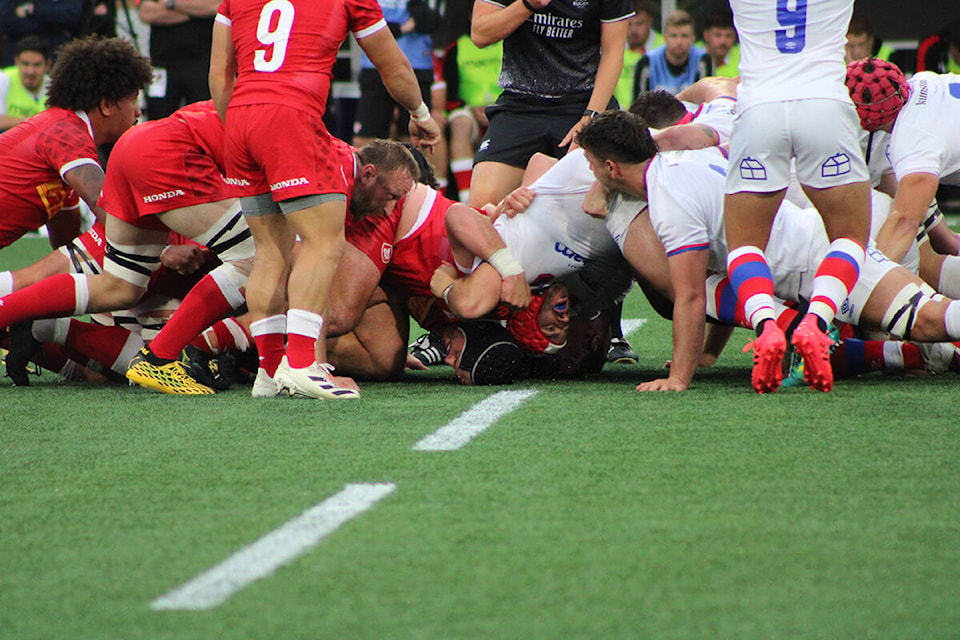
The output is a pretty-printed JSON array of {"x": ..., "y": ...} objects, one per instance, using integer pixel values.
[{"x": 556, "y": 52}]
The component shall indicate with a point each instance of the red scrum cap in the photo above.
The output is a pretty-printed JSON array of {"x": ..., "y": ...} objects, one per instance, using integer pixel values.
[
  {"x": 525, "y": 327},
  {"x": 878, "y": 89}
]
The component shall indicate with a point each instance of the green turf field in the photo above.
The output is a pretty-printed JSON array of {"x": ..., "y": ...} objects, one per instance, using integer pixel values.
[{"x": 589, "y": 511}]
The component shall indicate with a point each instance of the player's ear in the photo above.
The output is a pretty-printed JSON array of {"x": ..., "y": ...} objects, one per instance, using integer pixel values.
[
  {"x": 107, "y": 107},
  {"x": 613, "y": 167},
  {"x": 368, "y": 172}
]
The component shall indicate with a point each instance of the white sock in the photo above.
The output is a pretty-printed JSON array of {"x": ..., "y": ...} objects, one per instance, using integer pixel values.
[{"x": 6, "y": 283}]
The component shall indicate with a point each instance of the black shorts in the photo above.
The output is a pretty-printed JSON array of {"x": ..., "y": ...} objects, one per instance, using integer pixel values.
[
  {"x": 376, "y": 106},
  {"x": 520, "y": 127}
]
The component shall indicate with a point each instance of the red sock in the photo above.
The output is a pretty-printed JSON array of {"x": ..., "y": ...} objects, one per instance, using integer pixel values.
[
  {"x": 270, "y": 351},
  {"x": 204, "y": 305},
  {"x": 303, "y": 330},
  {"x": 52, "y": 297},
  {"x": 100, "y": 343},
  {"x": 301, "y": 350}
]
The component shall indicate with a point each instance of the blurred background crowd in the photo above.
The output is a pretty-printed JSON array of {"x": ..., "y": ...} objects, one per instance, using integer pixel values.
[{"x": 459, "y": 78}]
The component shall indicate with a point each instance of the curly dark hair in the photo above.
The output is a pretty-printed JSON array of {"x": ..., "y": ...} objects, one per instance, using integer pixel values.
[
  {"x": 659, "y": 108},
  {"x": 94, "y": 68},
  {"x": 618, "y": 135}
]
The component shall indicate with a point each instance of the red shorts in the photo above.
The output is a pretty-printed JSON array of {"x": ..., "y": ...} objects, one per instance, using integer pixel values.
[
  {"x": 157, "y": 167},
  {"x": 283, "y": 151}
]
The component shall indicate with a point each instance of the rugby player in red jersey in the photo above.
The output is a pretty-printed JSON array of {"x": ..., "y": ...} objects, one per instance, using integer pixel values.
[{"x": 270, "y": 71}]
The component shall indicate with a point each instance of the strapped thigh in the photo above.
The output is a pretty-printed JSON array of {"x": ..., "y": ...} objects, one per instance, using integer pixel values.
[
  {"x": 132, "y": 263},
  {"x": 902, "y": 313}
]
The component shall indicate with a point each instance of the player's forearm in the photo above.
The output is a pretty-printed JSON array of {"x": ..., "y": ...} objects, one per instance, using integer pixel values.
[
  {"x": 63, "y": 227},
  {"x": 472, "y": 296},
  {"x": 491, "y": 23},
  {"x": 914, "y": 194},
  {"x": 685, "y": 136},
  {"x": 223, "y": 68},
  {"x": 155, "y": 12},
  {"x": 395, "y": 70},
  {"x": 472, "y": 234},
  {"x": 194, "y": 8},
  {"x": 943, "y": 239},
  {"x": 612, "y": 43},
  {"x": 688, "y": 335}
]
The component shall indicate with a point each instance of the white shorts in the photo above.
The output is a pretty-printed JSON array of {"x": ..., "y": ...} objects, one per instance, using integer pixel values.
[
  {"x": 821, "y": 134},
  {"x": 875, "y": 267}
]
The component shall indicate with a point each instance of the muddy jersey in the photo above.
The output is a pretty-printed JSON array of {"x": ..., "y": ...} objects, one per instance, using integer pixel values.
[{"x": 34, "y": 158}]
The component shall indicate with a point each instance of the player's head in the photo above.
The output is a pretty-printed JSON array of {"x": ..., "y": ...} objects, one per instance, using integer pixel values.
[
  {"x": 92, "y": 72},
  {"x": 386, "y": 174},
  {"x": 659, "y": 108},
  {"x": 638, "y": 27},
  {"x": 878, "y": 89},
  {"x": 860, "y": 40},
  {"x": 32, "y": 57},
  {"x": 615, "y": 137},
  {"x": 678, "y": 36},
  {"x": 719, "y": 35},
  {"x": 482, "y": 352},
  {"x": 542, "y": 326}
]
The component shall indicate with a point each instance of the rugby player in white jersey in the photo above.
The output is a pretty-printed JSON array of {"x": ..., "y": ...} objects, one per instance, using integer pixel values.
[
  {"x": 792, "y": 104},
  {"x": 550, "y": 240},
  {"x": 683, "y": 192},
  {"x": 924, "y": 148}
]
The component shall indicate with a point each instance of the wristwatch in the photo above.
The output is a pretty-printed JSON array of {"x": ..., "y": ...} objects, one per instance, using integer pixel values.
[{"x": 169, "y": 5}]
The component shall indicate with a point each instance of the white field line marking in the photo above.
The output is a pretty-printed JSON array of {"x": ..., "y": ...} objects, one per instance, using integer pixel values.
[
  {"x": 277, "y": 548},
  {"x": 631, "y": 325},
  {"x": 474, "y": 421}
]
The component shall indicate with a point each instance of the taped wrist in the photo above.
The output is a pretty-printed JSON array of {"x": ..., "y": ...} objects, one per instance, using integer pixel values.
[
  {"x": 505, "y": 264},
  {"x": 421, "y": 113}
]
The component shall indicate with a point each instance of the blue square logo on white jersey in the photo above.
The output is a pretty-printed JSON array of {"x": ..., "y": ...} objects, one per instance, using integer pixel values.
[
  {"x": 752, "y": 169},
  {"x": 835, "y": 165}
]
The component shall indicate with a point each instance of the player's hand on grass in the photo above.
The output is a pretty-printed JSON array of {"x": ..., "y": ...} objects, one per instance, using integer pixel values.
[
  {"x": 663, "y": 384},
  {"x": 413, "y": 364}
]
